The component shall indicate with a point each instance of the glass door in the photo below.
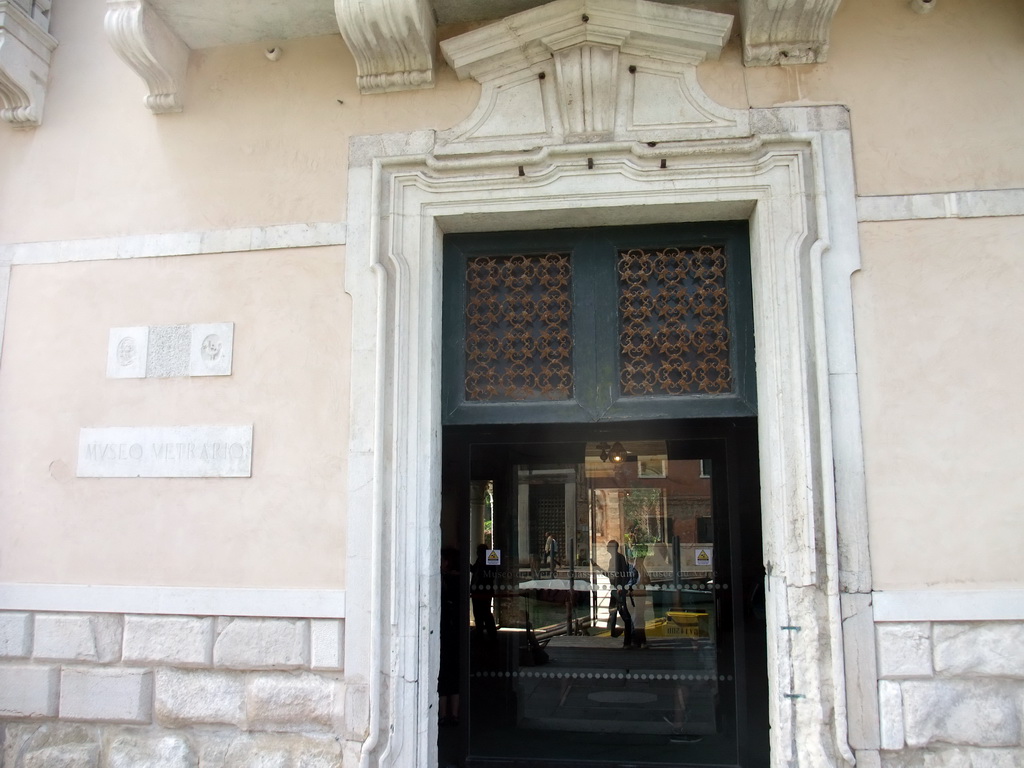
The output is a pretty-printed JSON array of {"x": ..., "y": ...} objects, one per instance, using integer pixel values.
[{"x": 611, "y": 614}]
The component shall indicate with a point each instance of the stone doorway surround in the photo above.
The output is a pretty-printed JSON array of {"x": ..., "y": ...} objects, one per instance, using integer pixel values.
[{"x": 591, "y": 114}]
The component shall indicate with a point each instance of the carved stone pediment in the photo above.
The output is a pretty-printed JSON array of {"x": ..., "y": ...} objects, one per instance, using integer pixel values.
[
  {"x": 591, "y": 70},
  {"x": 25, "y": 49}
]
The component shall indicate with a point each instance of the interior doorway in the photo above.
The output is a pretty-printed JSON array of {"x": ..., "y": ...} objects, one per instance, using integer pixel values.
[{"x": 610, "y": 599}]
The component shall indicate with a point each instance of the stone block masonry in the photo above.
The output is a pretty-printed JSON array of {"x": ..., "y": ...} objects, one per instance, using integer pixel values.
[
  {"x": 951, "y": 694},
  {"x": 120, "y": 691},
  {"x": 28, "y": 691},
  {"x": 191, "y": 697},
  {"x": 77, "y": 637},
  {"x": 114, "y": 694},
  {"x": 15, "y": 635},
  {"x": 180, "y": 641}
]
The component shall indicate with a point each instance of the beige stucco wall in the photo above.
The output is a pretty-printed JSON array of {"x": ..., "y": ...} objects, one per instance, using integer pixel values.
[
  {"x": 938, "y": 314},
  {"x": 259, "y": 142},
  {"x": 283, "y": 527},
  {"x": 936, "y": 104},
  {"x": 936, "y": 100}
]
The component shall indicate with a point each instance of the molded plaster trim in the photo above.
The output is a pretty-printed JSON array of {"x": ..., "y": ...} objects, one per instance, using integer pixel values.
[
  {"x": 151, "y": 48},
  {"x": 946, "y": 205},
  {"x": 949, "y": 605},
  {"x": 177, "y": 243},
  {"x": 392, "y": 42},
  {"x": 25, "y": 50},
  {"x": 178, "y": 601}
]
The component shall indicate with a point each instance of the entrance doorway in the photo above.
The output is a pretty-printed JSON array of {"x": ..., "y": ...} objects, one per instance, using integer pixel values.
[
  {"x": 613, "y": 612},
  {"x": 600, "y": 483}
]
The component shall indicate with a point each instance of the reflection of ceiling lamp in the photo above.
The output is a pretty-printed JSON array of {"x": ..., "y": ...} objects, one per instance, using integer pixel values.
[{"x": 615, "y": 452}]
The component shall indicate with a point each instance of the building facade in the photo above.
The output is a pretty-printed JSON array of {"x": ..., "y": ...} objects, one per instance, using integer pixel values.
[{"x": 237, "y": 423}]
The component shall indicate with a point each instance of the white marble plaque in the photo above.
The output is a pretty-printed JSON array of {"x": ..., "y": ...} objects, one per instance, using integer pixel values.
[
  {"x": 206, "y": 451},
  {"x": 210, "y": 350},
  {"x": 169, "y": 351},
  {"x": 127, "y": 350}
]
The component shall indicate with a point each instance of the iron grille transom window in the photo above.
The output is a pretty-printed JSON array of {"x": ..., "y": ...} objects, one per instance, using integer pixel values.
[
  {"x": 598, "y": 324},
  {"x": 519, "y": 328},
  {"x": 673, "y": 324}
]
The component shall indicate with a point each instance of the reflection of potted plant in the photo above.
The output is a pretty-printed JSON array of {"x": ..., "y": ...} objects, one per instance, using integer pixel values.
[{"x": 640, "y": 505}]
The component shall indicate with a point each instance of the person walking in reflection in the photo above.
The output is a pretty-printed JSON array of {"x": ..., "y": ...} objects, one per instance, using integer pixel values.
[
  {"x": 619, "y": 575},
  {"x": 551, "y": 552},
  {"x": 482, "y": 581}
]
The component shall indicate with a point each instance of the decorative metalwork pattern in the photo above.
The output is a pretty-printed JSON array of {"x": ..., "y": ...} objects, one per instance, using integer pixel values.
[
  {"x": 519, "y": 328},
  {"x": 673, "y": 331}
]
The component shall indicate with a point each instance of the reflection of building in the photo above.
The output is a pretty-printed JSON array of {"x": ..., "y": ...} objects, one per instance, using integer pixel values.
[
  {"x": 637, "y": 506},
  {"x": 225, "y": 423}
]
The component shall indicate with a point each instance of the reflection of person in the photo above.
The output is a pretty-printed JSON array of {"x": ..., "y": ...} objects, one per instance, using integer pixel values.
[
  {"x": 483, "y": 578},
  {"x": 448, "y": 675},
  {"x": 640, "y": 602},
  {"x": 551, "y": 552},
  {"x": 618, "y": 575}
]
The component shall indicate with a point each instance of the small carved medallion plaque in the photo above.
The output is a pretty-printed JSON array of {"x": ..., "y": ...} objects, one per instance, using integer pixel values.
[
  {"x": 210, "y": 352},
  {"x": 126, "y": 353}
]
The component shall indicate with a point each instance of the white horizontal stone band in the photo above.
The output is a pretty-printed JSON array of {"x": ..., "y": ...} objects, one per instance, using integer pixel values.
[
  {"x": 946, "y": 205},
  {"x": 949, "y": 605},
  {"x": 967, "y": 204},
  {"x": 177, "y": 243},
  {"x": 177, "y": 601}
]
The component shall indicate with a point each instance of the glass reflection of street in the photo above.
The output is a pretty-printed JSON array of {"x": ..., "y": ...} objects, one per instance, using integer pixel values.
[{"x": 636, "y": 546}]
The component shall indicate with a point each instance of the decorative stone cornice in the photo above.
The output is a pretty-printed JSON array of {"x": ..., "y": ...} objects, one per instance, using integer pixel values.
[
  {"x": 25, "y": 49},
  {"x": 786, "y": 31},
  {"x": 151, "y": 48},
  {"x": 670, "y": 33},
  {"x": 392, "y": 42},
  {"x": 589, "y": 70}
]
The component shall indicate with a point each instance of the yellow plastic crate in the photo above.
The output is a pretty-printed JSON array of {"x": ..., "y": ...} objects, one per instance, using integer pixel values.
[{"x": 687, "y": 623}]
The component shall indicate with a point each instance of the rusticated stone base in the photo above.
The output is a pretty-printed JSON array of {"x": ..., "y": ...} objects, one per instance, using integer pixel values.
[
  {"x": 954, "y": 757},
  {"x": 951, "y": 694},
  {"x": 130, "y": 691},
  {"x": 46, "y": 745}
]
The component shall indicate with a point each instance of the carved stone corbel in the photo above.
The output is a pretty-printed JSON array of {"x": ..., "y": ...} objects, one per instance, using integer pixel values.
[
  {"x": 151, "y": 48},
  {"x": 392, "y": 42},
  {"x": 786, "y": 31},
  {"x": 25, "y": 49}
]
